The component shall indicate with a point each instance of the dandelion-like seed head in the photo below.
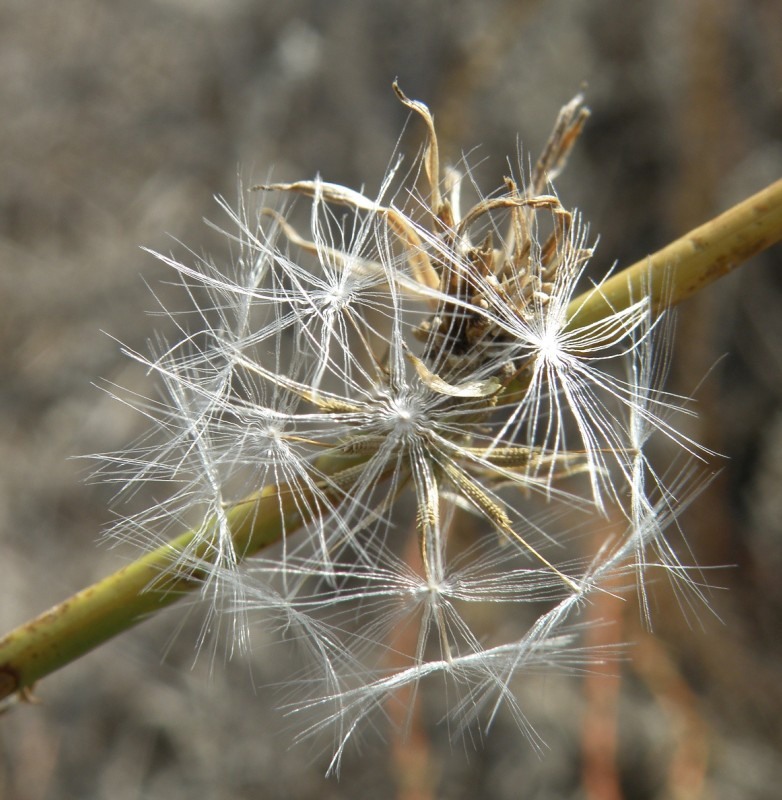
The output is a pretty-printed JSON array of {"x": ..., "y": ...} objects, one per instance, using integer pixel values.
[{"x": 401, "y": 380}]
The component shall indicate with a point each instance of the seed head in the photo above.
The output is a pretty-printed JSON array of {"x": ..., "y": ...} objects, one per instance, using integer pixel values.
[{"x": 407, "y": 371}]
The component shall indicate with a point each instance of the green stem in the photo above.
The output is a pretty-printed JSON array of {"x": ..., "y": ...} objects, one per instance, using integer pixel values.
[
  {"x": 155, "y": 581},
  {"x": 144, "y": 587},
  {"x": 690, "y": 263}
]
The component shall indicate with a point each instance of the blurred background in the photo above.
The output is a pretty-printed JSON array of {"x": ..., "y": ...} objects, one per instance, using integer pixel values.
[{"x": 120, "y": 122}]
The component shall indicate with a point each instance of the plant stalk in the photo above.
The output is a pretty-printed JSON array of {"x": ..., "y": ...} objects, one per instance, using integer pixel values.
[
  {"x": 691, "y": 262},
  {"x": 148, "y": 585}
]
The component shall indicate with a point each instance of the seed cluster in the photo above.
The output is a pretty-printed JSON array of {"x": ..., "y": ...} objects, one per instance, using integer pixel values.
[{"x": 402, "y": 348}]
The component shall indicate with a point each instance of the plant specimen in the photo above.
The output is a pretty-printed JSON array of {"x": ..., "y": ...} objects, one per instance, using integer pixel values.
[{"x": 408, "y": 368}]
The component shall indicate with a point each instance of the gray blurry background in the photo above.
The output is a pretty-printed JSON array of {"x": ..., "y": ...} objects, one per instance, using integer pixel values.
[{"x": 120, "y": 121}]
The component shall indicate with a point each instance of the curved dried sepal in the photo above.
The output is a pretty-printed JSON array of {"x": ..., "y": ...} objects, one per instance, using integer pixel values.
[
  {"x": 421, "y": 267},
  {"x": 432, "y": 152},
  {"x": 482, "y": 388},
  {"x": 567, "y": 129},
  {"x": 498, "y": 203}
]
